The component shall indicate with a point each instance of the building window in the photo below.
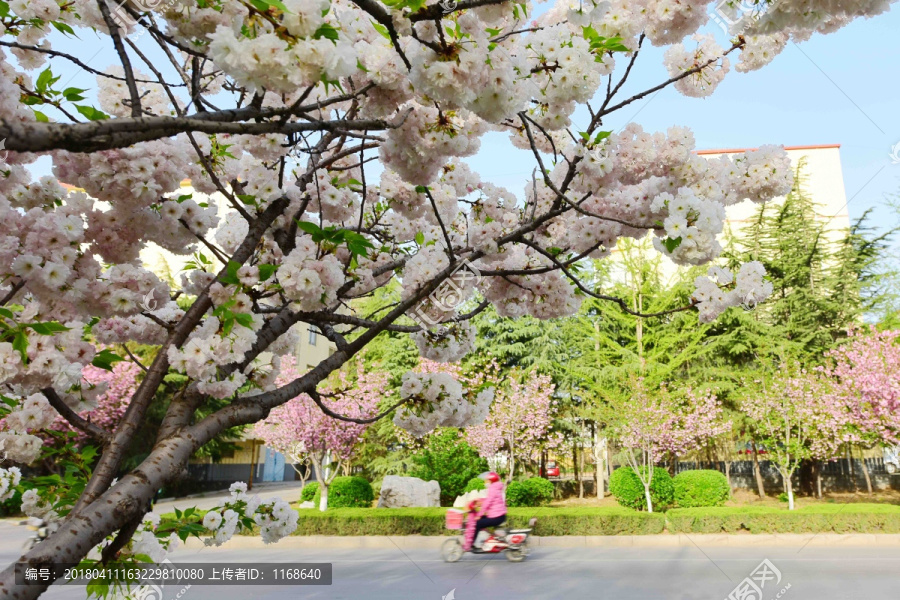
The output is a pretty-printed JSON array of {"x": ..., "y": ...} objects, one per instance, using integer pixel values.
[{"x": 313, "y": 335}]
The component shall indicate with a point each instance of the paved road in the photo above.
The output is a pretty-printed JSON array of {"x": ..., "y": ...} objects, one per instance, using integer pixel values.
[
  {"x": 684, "y": 573},
  {"x": 286, "y": 490}
]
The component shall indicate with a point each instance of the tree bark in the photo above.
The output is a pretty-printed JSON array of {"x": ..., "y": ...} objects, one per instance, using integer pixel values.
[
  {"x": 865, "y": 470},
  {"x": 807, "y": 477},
  {"x": 575, "y": 462},
  {"x": 790, "y": 491},
  {"x": 757, "y": 472},
  {"x": 581, "y": 470},
  {"x": 819, "y": 480},
  {"x": 851, "y": 470},
  {"x": 728, "y": 474}
]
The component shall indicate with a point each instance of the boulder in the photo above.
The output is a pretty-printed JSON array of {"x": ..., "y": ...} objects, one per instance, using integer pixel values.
[{"x": 400, "y": 492}]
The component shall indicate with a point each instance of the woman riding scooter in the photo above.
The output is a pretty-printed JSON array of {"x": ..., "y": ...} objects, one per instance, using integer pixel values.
[{"x": 493, "y": 508}]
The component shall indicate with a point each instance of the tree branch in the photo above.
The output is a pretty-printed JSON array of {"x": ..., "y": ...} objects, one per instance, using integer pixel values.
[{"x": 74, "y": 419}]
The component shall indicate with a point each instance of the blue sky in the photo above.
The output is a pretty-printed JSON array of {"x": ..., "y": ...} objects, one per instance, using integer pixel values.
[{"x": 841, "y": 88}]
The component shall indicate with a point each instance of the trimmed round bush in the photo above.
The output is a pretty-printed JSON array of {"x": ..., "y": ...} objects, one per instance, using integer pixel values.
[
  {"x": 535, "y": 491},
  {"x": 350, "y": 492},
  {"x": 309, "y": 491},
  {"x": 474, "y": 484},
  {"x": 626, "y": 486},
  {"x": 701, "y": 487}
]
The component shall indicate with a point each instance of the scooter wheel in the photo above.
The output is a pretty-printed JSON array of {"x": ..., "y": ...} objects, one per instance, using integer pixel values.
[
  {"x": 515, "y": 555},
  {"x": 452, "y": 550}
]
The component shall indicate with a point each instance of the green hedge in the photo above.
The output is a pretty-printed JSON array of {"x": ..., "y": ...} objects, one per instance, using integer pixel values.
[
  {"x": 535, "y": 491},
  {"x": 347, "y": 492},
  {"x": 626, "y": 486},
  {"x": 309, "y": 491},
  {"x": 430, "y": 521},
  {"x": 828, "y": 518},
  {"x": 701, "y": 487}
]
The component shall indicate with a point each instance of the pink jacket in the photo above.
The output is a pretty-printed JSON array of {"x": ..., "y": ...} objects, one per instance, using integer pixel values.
[{"x": 494, "y": 505}]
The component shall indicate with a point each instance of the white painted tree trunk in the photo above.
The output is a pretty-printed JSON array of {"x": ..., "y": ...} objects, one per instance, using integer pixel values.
[{"x": 649, "y": 501}]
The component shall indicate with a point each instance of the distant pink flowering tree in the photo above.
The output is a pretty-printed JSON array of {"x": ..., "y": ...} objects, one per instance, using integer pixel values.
[
  {"x": 654, "y": 423},
  {"x": 301, "y": 427},
  {"x": 519, "y": 421},
  {"x": 866, "y": 384},
  {"x": 121, "y": 382},
  {"x": 797, "y": 418}
]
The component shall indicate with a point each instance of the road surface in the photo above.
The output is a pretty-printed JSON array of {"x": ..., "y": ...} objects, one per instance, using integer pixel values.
[{"x": 657, "y": 573}]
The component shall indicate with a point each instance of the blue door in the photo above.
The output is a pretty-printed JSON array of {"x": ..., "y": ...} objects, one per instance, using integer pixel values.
[{"x": 273, "y": 469}]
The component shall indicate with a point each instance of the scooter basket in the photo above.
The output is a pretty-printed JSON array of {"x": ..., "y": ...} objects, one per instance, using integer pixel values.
[{"x": 454, "y": 519}]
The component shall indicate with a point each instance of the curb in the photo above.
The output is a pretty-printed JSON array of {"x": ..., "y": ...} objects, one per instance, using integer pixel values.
[{"x": 679, "y": 540}]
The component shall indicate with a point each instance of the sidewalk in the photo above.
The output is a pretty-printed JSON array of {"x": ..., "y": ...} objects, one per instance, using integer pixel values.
[
  {"x": 418, "y": 542},
  {"x": 286, "y": 490}
]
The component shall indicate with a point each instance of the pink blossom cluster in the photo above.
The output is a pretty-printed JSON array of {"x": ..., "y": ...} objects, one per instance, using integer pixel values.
[
  {"x": 865, "y": 392},
  {"x": 300, "y": 420},
  {"x": 519, "y": 421},
  {"x": 656, "y": 422}
]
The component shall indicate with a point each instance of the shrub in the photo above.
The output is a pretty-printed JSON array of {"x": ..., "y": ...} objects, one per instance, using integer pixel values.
[
  {"x": 535, "y": 491},
  {"x": 450, "y": 461},
  {"x": 608, "y": 520},
  {"x": 701, "y": 488},
  {"x": 836, "y": 518},
  {"x": 474, "y": 484},
  {"x": 626, "y": 486},
  {"x": 348, "y": 492},
  {"x": 309, "y": 491}
]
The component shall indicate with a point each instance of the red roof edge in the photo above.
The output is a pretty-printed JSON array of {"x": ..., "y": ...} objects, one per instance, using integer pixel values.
[{"x": 736, "y": 150}]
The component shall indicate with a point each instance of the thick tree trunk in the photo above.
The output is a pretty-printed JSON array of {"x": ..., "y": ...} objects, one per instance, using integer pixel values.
[
  {"x": 819, "y": 480},
  {"x": 581, "y": 470},
  {"x": 790, "y": 491},
  {"x": 728, "y": 474},
  {"x": 757, "y": 472},
  {"x": 807, "y": 477},
  {"x": 575, "y": 462},
  {"x": 865, "y": 470},
  {"x": 649, "y": 500}
]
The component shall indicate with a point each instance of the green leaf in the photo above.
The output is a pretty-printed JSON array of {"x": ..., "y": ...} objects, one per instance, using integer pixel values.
[
  {"x": 44, "y": 80},
  {"x": 266, "y": 271},
  {"x": 327, "y": 31},
  {"x": 671, "y": 244},
  {"x": 248, "y": 199},
  {"x": 4, "y": 9},
  {"x": 382, "y": 30},
  {"x": 41, "y": 117},
  {"x": 105, "y": 359},
  {"x": 421, "y": 189},
  {"x": 420, "y": 238},
  {"x": 20, "y": 344},
  {"x": 73, "y": 94},
  {"x": 244, "y": 319},
  {"x": 601, "y": 135},
  {"x": 310, "y": 228},
  {"x": 48, "y": 328},
  {"x": 61, "y": 27},
  {"x": 230, "y": 276},
  {"x": 265, "y": 5},
  {"x": 91, "y": 113}
]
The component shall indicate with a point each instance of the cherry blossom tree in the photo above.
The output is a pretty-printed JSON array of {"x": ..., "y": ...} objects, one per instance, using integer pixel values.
[
  {"x": 795, "y": 418},
  {"x": 276, "y": 111},
  {"x": 519, "y": 421},
  {"x": 300, "y": 427},
  {"x": 865, "y": 391},
  {"x": 655, "y": 422}
]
